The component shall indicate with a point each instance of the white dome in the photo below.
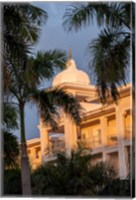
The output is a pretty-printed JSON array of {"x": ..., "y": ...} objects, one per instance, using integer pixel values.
[{"x": 71, "y": 75}]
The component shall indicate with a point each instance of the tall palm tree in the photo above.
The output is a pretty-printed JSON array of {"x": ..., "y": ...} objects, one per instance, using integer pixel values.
[
  {"x": 23, "y": 75},
  {"x": 22, "y": 23},
  {"x": 26, "y": 77},
  {"x": 110, "y": 52}
]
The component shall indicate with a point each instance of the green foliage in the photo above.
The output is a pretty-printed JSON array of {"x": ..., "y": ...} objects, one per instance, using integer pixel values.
[
  {"x": 12, "y": 182},
  {"x": 22, "y": 23},
  {"x": 10, "y": 144},
  {"x": 79, "y": 15},
  {"x": 11, "y": 151},
  {"x": 102, "y": 174},
  {"x": 117, "y": 187},
  {"x": 44, "y": 65},
  {"x": 10, "y": 116},
  {"x": 51, "y": 100},
  {"x": 74, "y": 176},
  {"x": 68, "y": 177}
]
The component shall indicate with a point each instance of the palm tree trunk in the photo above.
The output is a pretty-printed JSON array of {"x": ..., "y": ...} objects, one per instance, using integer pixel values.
[{"x": 25, "y": 168}]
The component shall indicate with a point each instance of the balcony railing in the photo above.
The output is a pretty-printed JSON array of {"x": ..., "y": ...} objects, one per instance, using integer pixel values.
[
  {"x": 89, "y": 144},
  {"x": 57, "y": 146}
]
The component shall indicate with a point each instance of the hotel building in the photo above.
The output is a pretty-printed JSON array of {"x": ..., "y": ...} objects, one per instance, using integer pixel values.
[{"x": 105, "y": 130}]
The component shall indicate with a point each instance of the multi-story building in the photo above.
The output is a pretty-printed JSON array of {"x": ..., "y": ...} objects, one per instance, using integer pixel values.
[{"x": 104, "y": 129}]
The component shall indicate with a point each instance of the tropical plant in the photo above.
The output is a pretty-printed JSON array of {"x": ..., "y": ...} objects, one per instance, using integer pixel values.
[
  {"x": 102, "y": 175},
  {"x": 21, "y": 29},
  {"x": 117, "y": 187},
  {"x": 110, "y": 52},
  {"x": 72, "y": 176},
  {"x": 10, "y": 116},
  {"x": 10, "y": 144},
  {"x": 26, "y": 75},
  {"x": 11, "y": 151},
  {"x": 12, "y": 182}
]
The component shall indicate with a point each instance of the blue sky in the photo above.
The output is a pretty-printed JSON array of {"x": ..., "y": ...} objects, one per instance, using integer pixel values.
[{"x": 53, "y": 36}]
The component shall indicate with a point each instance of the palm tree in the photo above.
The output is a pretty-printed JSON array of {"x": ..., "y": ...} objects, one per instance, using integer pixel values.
[
  {"x": 22, "y": 23},
  {"x": 21, "y": 29},
  {"x": 26, "y": 77},
  {"x": 24, "y": 74},
  {"x": 110, "y": 52}
]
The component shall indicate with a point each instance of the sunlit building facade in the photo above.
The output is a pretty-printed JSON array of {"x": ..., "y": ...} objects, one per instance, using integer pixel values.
[{"x": 105, "y": 130}]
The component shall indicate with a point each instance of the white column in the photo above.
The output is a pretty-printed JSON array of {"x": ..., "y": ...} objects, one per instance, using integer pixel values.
[
  {"x": 103, "y": 122},
  {"x": 70, "y": 134},
  {"x": 44, "y": 138},
  {"x": 121, "y": 150}
]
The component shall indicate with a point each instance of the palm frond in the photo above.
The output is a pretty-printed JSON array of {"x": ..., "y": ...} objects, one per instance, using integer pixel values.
[
  {"x": 47, "y": 109},
  {"x": 110, "y": 60},
  {"x": 119, "y": 14},
  {"x": 68, "y": 102},
  {"x": 76, "y": 16},
  {"x": 10, "y": 116},
  {"x": 45, "y": 64},
  {"x": 49, "y": 103},
  {"x": 23, "y": 21},
  {"x": 11, "y": 150},
  {"x": 79, "y": 15}
]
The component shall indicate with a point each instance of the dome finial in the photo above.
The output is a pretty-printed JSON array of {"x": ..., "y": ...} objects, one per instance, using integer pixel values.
[{"x": 70, "y": 54}]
